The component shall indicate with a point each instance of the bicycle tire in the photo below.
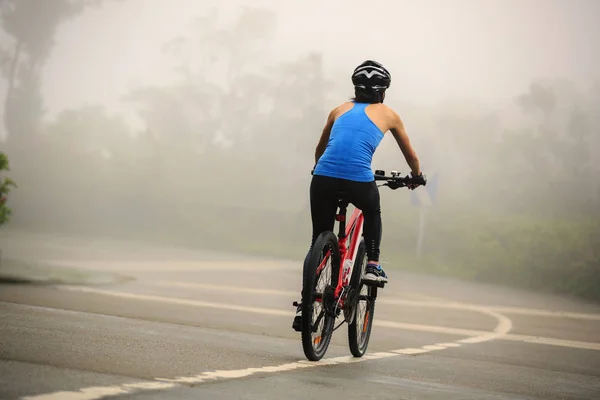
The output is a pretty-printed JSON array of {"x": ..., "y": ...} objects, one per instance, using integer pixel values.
[
  {"x": 325, "y": 241},
  {"x": 359, "y": 343}
]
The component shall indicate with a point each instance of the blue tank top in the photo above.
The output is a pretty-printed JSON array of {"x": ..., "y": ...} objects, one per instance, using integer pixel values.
[{"x": 352, "y": 143}]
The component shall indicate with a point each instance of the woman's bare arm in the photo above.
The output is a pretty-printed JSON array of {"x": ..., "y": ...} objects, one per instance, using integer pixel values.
[
  {"x": 403, "y": 141},
  {"x": 325, "y": 136}
]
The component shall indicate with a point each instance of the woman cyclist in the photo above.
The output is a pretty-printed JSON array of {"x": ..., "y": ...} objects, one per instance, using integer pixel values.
[{"x": 343, "y": 159}]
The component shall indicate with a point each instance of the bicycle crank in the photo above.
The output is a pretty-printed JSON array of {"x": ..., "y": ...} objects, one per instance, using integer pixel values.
[
  {"x": 329, "y": 301},
  {"x": 350, "y": 306}
]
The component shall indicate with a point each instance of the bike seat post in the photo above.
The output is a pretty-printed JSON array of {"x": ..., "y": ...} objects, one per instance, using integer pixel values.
[{"x": 341, "y": 217}]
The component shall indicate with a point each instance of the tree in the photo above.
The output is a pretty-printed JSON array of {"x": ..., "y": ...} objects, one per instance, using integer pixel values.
[
  {"x": 5, "y": 187},
  {"x": 32, "y": 25},
  {"x": 220, "y": 72}
]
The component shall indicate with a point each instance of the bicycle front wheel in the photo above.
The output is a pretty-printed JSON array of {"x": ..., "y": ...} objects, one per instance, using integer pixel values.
[
  {"x": 359, "y": 329},
  {"x": 318, "y": 302}
]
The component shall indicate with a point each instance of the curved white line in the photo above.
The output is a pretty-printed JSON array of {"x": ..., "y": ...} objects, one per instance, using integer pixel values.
[
  {"x": 502, "y": 329},
  {"x": 93, "y": 393}
]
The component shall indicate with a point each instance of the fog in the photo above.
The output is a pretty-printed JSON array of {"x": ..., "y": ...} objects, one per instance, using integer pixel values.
[
  {"x": 195, "y": 122},
  {"x": 482, "y": 50}
]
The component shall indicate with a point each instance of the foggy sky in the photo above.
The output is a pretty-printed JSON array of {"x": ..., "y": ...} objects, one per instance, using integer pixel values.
[
  {"x": 481, "y": 50},
  {"x": 435, "y": 49}
]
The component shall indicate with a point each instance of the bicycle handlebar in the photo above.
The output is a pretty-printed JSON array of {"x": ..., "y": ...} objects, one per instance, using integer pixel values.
[{"x": 396, "y": 181}]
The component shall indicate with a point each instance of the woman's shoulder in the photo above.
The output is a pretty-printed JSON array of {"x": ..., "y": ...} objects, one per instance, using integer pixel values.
[
  {"x": 387, "y": 110},
  {"x": 341, "y": 109},
  {"x": 381, "y": 109}
]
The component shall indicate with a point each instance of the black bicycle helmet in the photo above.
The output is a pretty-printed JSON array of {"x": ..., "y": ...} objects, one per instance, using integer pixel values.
[{"x": 371, "y": 74}]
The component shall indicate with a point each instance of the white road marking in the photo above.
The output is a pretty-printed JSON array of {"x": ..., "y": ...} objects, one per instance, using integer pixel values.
[
  {"x": 552, "y": 341},
  {"x": 452, "y": 344},
  {"x": 94, "y": 393},
  {"x": 424, "y": 301},
  {"x": 429, "y": 328},
  {"x": 433, "y": 347},
  {"x": 175, "y": 300},
  {"x": 501, "y": 330},
  {"x": 473, "y": 336},
  {"x": 532, "y": 312},
  {"x": 125, "y": 266},
  {"x": 410, "y": 351},
  {"x": 499, "y": 309},
  {"x": 222, "y": 288},
  {"x": 249, "y": 290},
  {"x": 282, "y": 313}
]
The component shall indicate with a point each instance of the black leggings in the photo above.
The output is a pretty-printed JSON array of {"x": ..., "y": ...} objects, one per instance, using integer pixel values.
[{"x": 363, "y": 195}]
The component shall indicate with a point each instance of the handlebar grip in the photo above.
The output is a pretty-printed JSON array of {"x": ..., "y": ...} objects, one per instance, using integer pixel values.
[{"x": 421, "y": 180}]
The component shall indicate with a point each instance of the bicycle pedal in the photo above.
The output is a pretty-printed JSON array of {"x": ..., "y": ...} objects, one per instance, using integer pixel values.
[
  {"x": 297, "y": 324},
  {"x": 372, "y": 283},
  {"x": 295, "y": 304}
]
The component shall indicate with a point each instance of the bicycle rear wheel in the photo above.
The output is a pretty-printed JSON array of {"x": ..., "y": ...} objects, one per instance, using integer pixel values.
[
  {"x": 359, "y": 329},
  {"x": 318, "y": 302}
]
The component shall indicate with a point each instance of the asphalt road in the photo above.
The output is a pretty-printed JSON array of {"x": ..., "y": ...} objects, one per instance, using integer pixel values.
[{"x": 202, "y": 325}]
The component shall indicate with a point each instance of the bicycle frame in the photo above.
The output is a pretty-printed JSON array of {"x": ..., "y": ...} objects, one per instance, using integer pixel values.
[{"x": 352, "y": 230}]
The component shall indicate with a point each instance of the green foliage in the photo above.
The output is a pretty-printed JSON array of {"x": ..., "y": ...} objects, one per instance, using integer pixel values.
[
  {"x": 6, "y": 185},
  {"x": 547, "y": 254}
]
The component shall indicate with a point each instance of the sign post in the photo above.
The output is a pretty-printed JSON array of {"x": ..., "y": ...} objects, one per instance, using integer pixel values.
[
  {"x": 421, "y": 232},
  {"x": 424, "y": 198}
]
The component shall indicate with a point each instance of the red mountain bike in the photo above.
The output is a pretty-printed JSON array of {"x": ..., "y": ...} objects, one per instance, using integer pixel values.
[{"x": 343, "y": 288}]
